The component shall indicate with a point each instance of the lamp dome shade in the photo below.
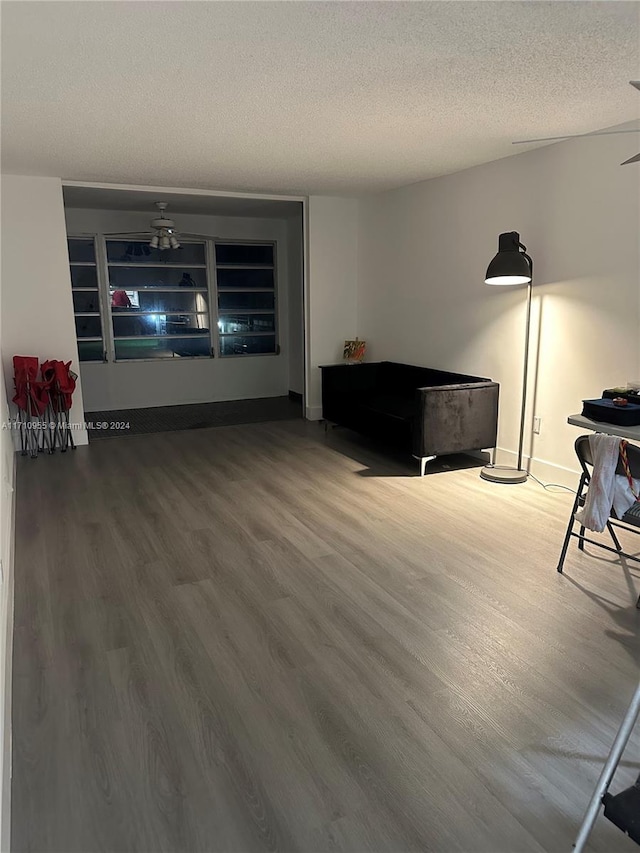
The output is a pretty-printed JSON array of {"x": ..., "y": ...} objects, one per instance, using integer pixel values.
[{"x": 510, "y": 265}]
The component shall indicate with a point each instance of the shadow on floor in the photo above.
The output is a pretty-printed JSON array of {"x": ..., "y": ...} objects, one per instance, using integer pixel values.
[
  {"x": 383, "y": 461},
  {"x": 627, "y": 619}
]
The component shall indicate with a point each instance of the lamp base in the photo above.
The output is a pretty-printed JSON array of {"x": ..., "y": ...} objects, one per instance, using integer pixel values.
[{"x": 503, "y": 474}]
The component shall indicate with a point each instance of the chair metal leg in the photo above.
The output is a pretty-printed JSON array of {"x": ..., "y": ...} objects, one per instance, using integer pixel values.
[
  {"x": 22, "y": 420},
  {"x": 567, "y": 536},
  {"x": 581, "y": 541},
  {"x": 624, "y": 733},
  {"x": 613, "y": 536}
]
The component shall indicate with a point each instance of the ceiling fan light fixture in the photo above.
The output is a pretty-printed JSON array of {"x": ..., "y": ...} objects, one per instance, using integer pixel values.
[{"x": 164, "y": 230}]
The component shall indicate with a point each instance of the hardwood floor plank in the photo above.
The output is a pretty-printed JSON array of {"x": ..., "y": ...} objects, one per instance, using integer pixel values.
[{"x": 266, "y": 637}]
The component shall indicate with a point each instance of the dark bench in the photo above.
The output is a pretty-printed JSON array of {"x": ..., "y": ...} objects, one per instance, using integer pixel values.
[{"x": 426, "y": 412}]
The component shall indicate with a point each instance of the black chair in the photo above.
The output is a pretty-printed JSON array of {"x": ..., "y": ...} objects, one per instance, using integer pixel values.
[{"x": 630, "y": 521}]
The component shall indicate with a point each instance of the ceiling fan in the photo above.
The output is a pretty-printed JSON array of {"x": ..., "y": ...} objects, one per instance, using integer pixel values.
[
  {"x": 635, "y": 159},
  {"x": 163, "y": 234}
]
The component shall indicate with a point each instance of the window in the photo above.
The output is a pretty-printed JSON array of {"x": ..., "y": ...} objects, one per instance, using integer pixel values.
[
  {"x": 159, "y": 300},
  {"x": 134, "y": 302},
  {"x": 86, "y": 299},
  {"x": 245, "y": 278}
]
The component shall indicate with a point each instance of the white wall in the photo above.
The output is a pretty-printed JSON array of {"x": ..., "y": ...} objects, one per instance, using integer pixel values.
[
  {"x": 37, "y": 308},
  {"x": 332, "y": 287},
  {"x": 424, "y": 250},
  {"x": 122, "y": 385},
  {"x": 296, "y": 306}
]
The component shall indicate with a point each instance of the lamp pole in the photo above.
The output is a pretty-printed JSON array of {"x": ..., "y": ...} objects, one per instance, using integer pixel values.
[{"x": 526, "y": 360}]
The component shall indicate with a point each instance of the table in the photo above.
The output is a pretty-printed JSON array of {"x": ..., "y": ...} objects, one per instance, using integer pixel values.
[{"x": 630, "y": 432}]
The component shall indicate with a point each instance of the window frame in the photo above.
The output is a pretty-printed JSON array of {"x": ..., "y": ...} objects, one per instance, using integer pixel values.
[
  {"x": 213, "y": 313},
  {"x": 276, "y": 297},
  {"x": 95, "y": 264}
]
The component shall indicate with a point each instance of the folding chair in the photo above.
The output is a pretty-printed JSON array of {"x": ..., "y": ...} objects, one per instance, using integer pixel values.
[
  {"x": 32, "y": 399},
  {"x": 630, "y": 521},
  {"x": 61, "y": 383},
  {"x": 622, "y": 809}
]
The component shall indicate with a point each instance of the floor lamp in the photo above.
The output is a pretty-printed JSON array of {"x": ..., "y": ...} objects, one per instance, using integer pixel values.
[{"x": 512, "y": 265}]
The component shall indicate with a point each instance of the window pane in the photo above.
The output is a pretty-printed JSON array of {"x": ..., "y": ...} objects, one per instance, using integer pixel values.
[
  {"x": 139, "y": 252},
  {"x": 131, "y": 323},
  {"x": 247, "y": 345},
  {"x": 87, "y": 302},
  {"x": 128, "y": 278},
  {"x": 229, "y": 323},
  {"x": 236, "y": 253},
  {"x": 164, "y": 348},
  {"x": 84, "y": 277},
  {"x": 81, "y": 249},
  {"x": 245, "y": 278},
  {"x": 243, "y": 301},
  {"x": 90, "y": 350},
  {"x": 161, "y": 301},
  {"x": 88, "y": 327}
]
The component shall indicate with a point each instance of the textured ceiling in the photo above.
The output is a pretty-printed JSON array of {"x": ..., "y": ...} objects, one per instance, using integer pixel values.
[{"x": 328, "y": 97}]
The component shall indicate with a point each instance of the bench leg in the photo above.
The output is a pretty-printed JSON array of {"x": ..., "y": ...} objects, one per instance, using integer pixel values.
[
  {"x": 492, "y": 454},
  {"x": 423, "y": 463}
]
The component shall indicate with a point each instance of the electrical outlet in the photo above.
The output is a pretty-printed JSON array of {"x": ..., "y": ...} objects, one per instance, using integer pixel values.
[{"x": 536, "y": 425}]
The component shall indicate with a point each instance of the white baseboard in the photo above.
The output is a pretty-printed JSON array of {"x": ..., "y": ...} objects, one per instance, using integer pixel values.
[
  {"x": 313, "y": 413},
  {"x": 548, "y": 472}
]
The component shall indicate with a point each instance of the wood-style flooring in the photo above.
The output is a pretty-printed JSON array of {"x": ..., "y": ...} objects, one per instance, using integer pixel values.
[{"x": 265, "y": 637}]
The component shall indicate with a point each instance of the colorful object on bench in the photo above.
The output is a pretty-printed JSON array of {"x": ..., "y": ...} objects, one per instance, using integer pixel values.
[{"x": 354, "y": 350}]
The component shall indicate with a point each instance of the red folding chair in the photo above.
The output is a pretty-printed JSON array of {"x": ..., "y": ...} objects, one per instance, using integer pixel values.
[
  {"x": 32, "y": 399},
  {"x": 61, "y": 383}
]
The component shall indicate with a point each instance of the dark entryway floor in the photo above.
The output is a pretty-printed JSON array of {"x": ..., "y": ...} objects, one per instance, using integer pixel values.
[{"x": 194, "y": 416}]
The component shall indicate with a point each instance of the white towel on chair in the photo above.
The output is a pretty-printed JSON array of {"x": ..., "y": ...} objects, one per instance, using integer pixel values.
[{"x": 605, "y": 450}]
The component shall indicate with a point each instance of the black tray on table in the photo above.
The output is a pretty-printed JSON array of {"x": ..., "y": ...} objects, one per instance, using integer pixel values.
[{"x": 605, "y": 412}]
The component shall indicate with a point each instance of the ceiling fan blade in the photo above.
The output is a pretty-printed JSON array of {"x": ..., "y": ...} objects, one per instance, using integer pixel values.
[
  {"x": 577, "y": 135},
  {"x": 635, "y": 83},
  {"x": 635, "y": 159}
]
